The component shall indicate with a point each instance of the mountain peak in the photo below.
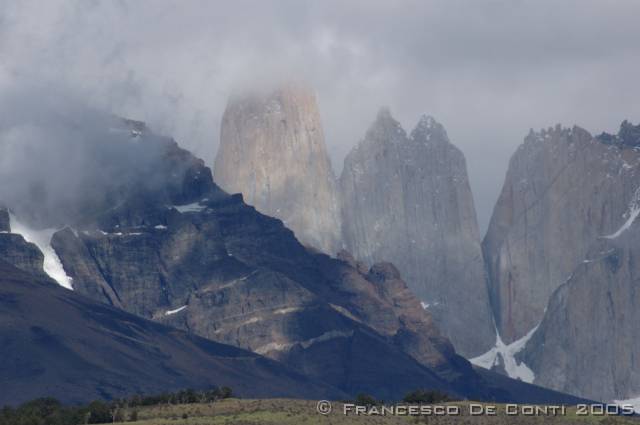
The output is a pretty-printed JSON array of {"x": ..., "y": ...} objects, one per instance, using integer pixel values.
[
  {"x": 385, "y": 128},
  {"x": 427, "y": 122},
  {"x": 406, "y": 200},
  {"x": 272, "y": 150},
  {"x": 628, "y": 135},
  {"x": 384, "y": 114},
  {"x": 429, "y": 129}
]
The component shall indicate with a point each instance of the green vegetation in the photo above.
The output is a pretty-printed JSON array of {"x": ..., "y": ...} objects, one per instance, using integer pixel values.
[
  {"x": 48, "y": 411},
  {"x": 216, "y": 407},
  {"x": 303, "y": 412},
  {"x": 426, "y": 397}
]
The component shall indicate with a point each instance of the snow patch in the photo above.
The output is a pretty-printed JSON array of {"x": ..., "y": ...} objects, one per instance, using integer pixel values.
[
  {"x": 507, "y": 353},
  {"x": 190, "y": 208},
  {"x": 426, "y": 306},
  {"x": 252, "y": 320},
  {"x": 287, "y": 310},
  {"x": 177, "y": 310},
  {"x": 42, "y": 239},
  {"x": 327, "y": 336},
  {"x": 634, "y": 211},
  {"x": 118, "y": 233},
  {"x": 160, "y": 227},
  {"x": 234, "y": 281}
]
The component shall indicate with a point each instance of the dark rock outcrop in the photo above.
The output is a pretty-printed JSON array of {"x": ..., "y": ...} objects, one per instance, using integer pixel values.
[
  {"x": 4, "y": 220},
  {"x": 235, "y": 276},
  {"x": 15, "y": 250},
  {"x": 629, "y": 135},
  {"x": 23, "y": 255},
  {"x": 272, "y": 150},
  {"x": 407, "y": 200}
]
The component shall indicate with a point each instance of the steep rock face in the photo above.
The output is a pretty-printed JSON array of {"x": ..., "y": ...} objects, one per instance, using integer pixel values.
[
  {"x": 406, "y": 199},
  {"x": 563, "y": 190},
  {"x": 272, "y": 150},
  {"x": 588, "y": 342}
]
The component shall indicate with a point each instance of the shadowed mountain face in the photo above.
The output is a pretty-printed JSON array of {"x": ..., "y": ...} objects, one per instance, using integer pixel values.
[
  {"x": 230, "y": 274},
  {"x": 563, "y": 190},
  {"x": 199, "y": 259},
  {"x": 272, "y": 150},
  {"x": 56, "y": 343},
  {"x": 406, "y": 199}
]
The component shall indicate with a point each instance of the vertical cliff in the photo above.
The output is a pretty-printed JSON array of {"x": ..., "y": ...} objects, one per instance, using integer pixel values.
[
  {"x": 563, "y": 189},
  {"x": 406, "y": 199},
  {"x": 588, "y": 342},
  {"x": 272, "y": 150}
]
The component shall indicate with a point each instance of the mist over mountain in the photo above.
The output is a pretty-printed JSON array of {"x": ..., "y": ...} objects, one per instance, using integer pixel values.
[
  {"x": 272, "y": 150},
  {"x": 489, "y": 70},
  {"x": 62, "y": 161}
]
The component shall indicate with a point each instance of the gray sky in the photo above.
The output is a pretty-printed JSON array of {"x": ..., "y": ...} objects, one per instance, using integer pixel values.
[{"x": 488, "y": 70}]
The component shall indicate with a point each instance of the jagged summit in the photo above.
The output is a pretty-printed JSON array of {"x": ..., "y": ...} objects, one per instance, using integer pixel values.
[
  {"x": 628, "y": 136},
  {"x": 428, "y": 129},
  {"x": 406, "y": 199},
  {"x": 558, "y": 132},
  {"x": 384, "y": 129}
]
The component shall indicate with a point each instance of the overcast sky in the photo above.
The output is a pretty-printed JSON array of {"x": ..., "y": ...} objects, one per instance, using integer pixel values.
[{"x": 488, "y": 70}]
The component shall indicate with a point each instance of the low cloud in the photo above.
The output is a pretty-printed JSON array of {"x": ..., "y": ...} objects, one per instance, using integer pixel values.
[
  {"x": 61, "y": 160},
  {"x": 488, "y": 70}
]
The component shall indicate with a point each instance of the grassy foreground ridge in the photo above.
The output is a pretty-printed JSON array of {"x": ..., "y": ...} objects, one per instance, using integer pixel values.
[{"x": 297, "y": 412}]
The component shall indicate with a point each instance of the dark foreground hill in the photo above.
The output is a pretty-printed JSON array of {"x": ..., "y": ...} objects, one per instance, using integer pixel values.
[{"x": 56, "y": 343}]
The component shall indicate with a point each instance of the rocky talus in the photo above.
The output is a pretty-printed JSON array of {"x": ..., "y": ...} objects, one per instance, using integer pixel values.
[{"x": 406, "y": 199}]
